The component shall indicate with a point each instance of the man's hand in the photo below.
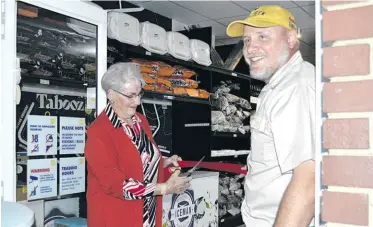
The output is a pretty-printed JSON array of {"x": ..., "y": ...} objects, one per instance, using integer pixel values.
[
  {"x": 298, "y": 202},
  {"x": 172, "y": 160}
]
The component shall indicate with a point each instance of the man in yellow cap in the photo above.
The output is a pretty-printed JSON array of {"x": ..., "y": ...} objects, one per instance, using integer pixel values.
[{"x": 279, "y": 186}]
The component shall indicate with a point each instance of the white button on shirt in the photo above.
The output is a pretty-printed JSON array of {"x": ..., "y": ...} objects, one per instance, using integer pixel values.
[{"x": 282, "y": 137}]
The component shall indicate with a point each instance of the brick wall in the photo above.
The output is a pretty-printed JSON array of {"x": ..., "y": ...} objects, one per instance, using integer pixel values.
[{"x": 347, "y": 166}]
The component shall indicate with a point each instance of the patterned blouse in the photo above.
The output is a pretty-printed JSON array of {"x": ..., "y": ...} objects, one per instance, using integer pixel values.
[{"x": 150, "y": 157}]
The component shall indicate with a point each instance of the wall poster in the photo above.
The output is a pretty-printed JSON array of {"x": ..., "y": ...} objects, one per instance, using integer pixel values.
[
  {"x": 72, "y": 175},
  {"x": 41, "y": 178},
  {"x": 41, "y": 135},
  {"x": 72, "y": 135}
]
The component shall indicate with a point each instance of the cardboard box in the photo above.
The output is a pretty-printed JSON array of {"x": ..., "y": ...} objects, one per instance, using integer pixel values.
[{"x": 197, "y": 206}]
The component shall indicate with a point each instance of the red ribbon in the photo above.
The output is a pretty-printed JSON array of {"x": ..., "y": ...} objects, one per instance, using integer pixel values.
[{"x": 218, "y": 166}]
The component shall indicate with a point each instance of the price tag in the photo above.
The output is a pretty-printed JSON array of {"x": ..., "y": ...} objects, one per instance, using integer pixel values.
[
  {"x": 169, "y": 97},
  {"x": 253, "y": 99},
  {"x": 148, "y": 53},
  {"x": 235, "y": 135},
  {"x": 44, "y": 81},
  {"x": 234, "y": 74}
]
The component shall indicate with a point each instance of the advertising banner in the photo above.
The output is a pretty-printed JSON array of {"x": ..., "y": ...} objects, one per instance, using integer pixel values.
[{"x": 195, "y": 207}]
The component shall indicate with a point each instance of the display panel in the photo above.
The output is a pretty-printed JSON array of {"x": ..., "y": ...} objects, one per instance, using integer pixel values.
[{"x": 58, "y": 58}]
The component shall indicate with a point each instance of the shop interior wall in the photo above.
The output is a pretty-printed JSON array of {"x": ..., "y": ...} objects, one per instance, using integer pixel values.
[{"x": 224, "y": 52}]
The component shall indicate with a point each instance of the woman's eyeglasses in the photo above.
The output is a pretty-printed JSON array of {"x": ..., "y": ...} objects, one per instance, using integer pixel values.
[{"x": 132, "y": 96}]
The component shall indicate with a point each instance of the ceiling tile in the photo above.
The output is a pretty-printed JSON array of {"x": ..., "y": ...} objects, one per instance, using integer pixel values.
[
  {"x": 226, "y": 21},
  {"x": 310, "y": 10},
  {"x": 213, "y": 9},
  {"x": 174, "y": 11},
  {"x": 304, "y": 3},
  {"x": 302, "y": 19},
  {"x": 217, "y": 29},
  {"x": 251, "y": 5},
  {"x": 308, "y": 36}
]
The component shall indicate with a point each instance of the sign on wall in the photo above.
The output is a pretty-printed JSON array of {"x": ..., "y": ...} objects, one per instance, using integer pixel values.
[
  {"x": 41, "y": 178},
  {"x": 35, "y": 104},
  {"x": 72, "y": 175},
  {"x": 72, "y": 135},
  {"x": 41, "y": 135}
]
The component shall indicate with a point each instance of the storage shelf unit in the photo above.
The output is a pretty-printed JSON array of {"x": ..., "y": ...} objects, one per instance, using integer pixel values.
[
  {"x": 208, "y": 77},
  {"x": 188, "y": 64},
  {"x": 193, "y": 142},
  {"x": 164, "y": 96},
  {"x": 204, "y": 74},
  {"x": 55, "y": 81}
]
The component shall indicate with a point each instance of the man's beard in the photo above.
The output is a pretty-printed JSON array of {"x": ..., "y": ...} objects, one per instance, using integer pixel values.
[{"x": 266, "y": 73}]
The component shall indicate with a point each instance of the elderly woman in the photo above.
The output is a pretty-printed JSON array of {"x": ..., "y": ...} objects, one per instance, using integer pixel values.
[{"x": 125, "y": 166}]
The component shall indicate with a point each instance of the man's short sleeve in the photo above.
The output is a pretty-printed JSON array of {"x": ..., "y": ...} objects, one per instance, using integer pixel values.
[{"x": 293, "y": 127}]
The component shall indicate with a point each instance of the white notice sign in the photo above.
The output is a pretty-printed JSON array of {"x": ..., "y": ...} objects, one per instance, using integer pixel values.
[
  {"x": 91, "y": 98},
  {"x": 72, "y": 175},
  {"x": 41, "y": 178},
  {"x": 72, "y": 135},
  {"x": 41, "y": 135}
]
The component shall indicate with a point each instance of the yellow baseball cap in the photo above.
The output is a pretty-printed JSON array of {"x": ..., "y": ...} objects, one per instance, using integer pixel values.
[{"x": 263, "y": 17}]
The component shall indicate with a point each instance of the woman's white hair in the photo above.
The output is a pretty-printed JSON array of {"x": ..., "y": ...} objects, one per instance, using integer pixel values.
[{"x": 120, "y": 74}]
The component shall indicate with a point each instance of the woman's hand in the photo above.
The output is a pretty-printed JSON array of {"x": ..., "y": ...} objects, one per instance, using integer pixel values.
[
  {"x": 177, "y": 184},
  {"x": 172, "y": 160},
  {"x": 243, "y": 175}
]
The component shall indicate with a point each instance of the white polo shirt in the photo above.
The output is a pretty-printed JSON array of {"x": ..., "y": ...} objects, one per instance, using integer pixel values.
[{"x": 282, "y": 137}]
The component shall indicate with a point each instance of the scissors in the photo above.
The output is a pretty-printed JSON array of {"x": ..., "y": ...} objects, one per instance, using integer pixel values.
[{"x": 195, "y": 167}]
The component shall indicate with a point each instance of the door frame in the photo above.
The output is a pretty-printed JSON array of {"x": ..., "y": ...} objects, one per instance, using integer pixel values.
[{"x": 92, "y": 14}]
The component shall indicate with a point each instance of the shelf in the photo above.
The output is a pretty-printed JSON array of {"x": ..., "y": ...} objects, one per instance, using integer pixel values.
[
  {"x": 215, "y": 153},
  {"x": 164, "y": 96},
  {"x": 188, "y": 64},
  {"x": 46, "y": 79},
  {"x": 230, "y": 134}
]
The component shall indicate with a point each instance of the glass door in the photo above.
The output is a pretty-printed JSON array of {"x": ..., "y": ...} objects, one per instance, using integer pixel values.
[{"x": 57, "y": 56}]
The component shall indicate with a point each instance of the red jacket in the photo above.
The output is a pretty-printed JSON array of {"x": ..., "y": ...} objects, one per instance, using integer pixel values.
[{"x": 111, "y": 158}]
